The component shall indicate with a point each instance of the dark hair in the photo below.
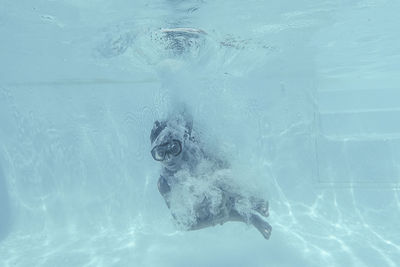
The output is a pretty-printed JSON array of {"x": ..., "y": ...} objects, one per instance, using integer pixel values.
[{"x": 157, "y": 129}]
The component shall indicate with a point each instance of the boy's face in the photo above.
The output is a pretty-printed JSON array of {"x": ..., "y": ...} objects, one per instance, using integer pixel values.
[{"x": 167, "y": 149}]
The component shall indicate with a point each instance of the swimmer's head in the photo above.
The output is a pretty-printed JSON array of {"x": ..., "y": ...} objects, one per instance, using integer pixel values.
[{"x": 168, "y": 141}]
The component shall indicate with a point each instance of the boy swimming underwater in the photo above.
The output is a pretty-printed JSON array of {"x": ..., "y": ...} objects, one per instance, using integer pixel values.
[{"x": 181, "y": 155}]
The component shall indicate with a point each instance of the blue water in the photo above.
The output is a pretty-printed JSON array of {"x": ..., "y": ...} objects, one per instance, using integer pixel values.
[{"x": 301, "y": 97}]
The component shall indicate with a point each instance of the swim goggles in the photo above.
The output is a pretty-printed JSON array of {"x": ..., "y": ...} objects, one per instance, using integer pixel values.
[{"x": 173, "y": 147}]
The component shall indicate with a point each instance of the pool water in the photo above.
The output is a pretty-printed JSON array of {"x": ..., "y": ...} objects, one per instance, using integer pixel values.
[{"x": 301, "y": 97}]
